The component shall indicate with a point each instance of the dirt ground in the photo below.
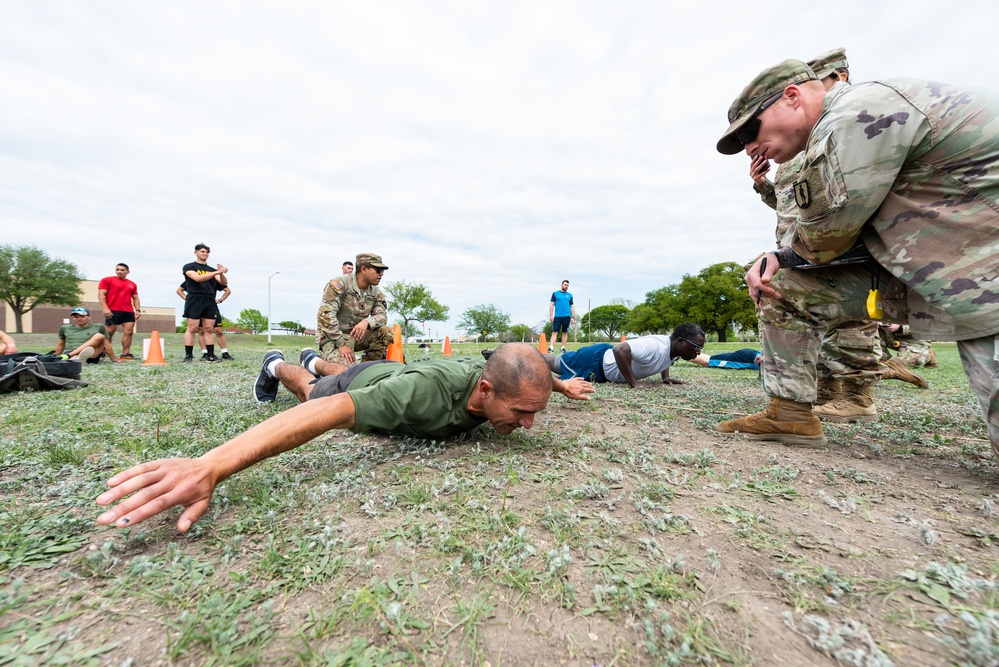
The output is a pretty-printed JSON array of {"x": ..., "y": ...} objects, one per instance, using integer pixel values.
[{"x": 622, "y": 531}]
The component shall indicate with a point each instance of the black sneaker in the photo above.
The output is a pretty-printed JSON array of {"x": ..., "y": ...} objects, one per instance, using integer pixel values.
[
  {"x": 204, "y": 356},
  {"x": 487, "y": 353},
  {"x": 307, "y": 355},
  {"x": 228, "y": 357},
  {"x": 188, "y": 359},
  {"x": 210, "y": 358},
  {"x": 266, "y": 388},
  {"x": 125, "y": 357}
]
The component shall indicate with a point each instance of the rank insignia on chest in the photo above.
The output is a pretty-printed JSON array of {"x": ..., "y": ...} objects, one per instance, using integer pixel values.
[{"x": 802, "y": 194}]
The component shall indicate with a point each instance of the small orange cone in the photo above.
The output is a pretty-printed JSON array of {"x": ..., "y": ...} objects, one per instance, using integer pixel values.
[
  {"x": 397, "y": 334},
  {"x": 543, "y": 344},
  {"x": 155, "y": 357},
  {"x": 446, "y": 350},
  {"x": 623, "y": 338},
  {"x": 395, "y": 353}
]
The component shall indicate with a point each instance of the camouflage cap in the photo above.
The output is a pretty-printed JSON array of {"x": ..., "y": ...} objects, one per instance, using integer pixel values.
[
  {"x": 767, "y": 84},
  {"x": 827, "y": 63},
  {"x": 370, "y": 259}
]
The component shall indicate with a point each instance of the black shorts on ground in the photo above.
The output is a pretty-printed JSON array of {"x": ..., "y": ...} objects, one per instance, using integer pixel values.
[
  {"x": 331, "y": 385},
  {"x": 119, "y": 317},
  {"x": 96, "y": 359},
  {"x": 200, "y": 307},
  {"x": 560, "y": 325}
]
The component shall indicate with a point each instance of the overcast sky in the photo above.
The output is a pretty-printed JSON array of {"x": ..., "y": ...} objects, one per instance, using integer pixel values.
[{"x": 487, "y": 150}]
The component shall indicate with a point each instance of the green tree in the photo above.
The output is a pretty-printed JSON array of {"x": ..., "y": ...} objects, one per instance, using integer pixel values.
[
  {"x": 520, "y": 333},
  {"x": 414, "y": 303},
  {"x": 294, "y": 327},
  {"x": 716, "y": 298},
  {"x": 252, "y": 319},
  {"x": 609, "y": 320},
  {"x": 487, "y": 321},
  {"x": 658, "y": 314},
  {"x": 29, "y": 277}
]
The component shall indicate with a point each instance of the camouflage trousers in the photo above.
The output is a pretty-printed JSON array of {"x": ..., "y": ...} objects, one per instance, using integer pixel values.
[
  {"x": 821, "y": 326},
  {"x": 980, "y": 358},
  {"x": 912, "y": 352},
  {"x": 374, "y": 343}
]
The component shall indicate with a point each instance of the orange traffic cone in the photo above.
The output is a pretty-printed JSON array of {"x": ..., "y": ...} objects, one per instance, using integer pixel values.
[
  {"x": 446, "y": 349},
  {"x": 397, "y": 334},
  {"x": 623, "y": 338},
  {"x": 155, "y": 356},
  {"x": 395, "y": 353},
  {"x": 543, "y": 344}
]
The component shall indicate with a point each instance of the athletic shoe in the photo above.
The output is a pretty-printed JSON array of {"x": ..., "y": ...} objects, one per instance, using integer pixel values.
[
  {"x": 307, "y": 355},
  {"x": 266, "y": 388},
  {"x": 125, "y": 357},
  {"x": 563, "y": 350},
  {"x": 85, "y": 354},
  {"x": 210, "y": 358},
  {"x": 551, "y": 350},
  {"x": 487, "y": 353},
  {"x": 188, "y": 359},
  {"x": 228, "y": 357}
]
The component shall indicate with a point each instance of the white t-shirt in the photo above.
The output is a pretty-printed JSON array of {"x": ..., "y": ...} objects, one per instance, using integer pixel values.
[{"x": 649, "y": 355}]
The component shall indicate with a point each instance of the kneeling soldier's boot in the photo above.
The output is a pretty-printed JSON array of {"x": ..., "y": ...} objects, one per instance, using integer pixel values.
[
  {"x": 896, "y": 371},
  {"x": 855, "y": 403},
  {"x": 827, "y": 389},
  {"x": 931, "y": 359},
  {"x": 783, "y": 420}
]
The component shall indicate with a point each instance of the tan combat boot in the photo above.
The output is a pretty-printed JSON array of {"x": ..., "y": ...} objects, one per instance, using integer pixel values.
[
  {"x": 783, "y": 420},
  {"x": 896, "y": 371},
  {"x": 931, "y": 359},
  {"x": 855, "y": 403},
  {"x": 827, "y": 389}
]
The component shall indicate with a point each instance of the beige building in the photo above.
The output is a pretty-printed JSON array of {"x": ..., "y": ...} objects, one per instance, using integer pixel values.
[{"x": 47, "y": 318}]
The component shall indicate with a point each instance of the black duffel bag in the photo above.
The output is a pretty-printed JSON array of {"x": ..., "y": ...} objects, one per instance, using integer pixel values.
[{"x": 26, "y": 371}]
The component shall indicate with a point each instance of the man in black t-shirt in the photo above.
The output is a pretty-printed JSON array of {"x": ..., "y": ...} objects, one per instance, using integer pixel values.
[{"x": 200, "y": 283}]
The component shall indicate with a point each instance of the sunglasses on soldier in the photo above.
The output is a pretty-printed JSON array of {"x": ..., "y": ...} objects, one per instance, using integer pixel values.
[
  {"x": 377, "y": 270},
  {"x": 747, "y": 133}
]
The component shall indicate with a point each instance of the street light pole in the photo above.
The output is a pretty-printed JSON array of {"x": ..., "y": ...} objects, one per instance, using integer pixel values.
[{"x": 269, "y": 304}]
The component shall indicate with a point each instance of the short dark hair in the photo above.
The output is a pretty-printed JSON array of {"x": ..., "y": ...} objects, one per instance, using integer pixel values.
[
  {"x": 347, "y": 263},
  {"x": 687, "y": 330},
  {"x": 123, "y": 264},
  {"x": 200, "y": 246},
  {"x": 565, "y": 281},
  {"x": 512, "y": 364}
]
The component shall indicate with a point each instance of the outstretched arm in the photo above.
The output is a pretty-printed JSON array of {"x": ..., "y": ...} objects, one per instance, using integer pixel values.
[{"x": 159, "y": 485}]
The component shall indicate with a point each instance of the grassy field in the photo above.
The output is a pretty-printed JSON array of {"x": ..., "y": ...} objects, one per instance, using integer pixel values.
[{"x": 620, "y": 531}]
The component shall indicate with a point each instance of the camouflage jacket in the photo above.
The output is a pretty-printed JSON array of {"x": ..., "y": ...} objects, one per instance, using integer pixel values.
[
  {"x": 912, "y": 168},
  {"x": 344, "y": 305}
]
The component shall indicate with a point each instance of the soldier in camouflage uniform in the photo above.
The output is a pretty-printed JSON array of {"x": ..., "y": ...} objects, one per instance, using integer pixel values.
[
  {"x": 352, "y": 317},
  {"x": 908, "y": 168},
  {"x": 851, "y": 361},
  {"x": 909, "y": 350}
]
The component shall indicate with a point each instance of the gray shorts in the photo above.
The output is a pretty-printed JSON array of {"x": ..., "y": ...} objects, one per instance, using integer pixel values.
[{"x": 331, "y": 385}]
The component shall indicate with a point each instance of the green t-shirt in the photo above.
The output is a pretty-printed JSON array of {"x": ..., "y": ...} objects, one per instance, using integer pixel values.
[
  {"x": 426, "y": 399},
  {"x": 75, "y": 336}
]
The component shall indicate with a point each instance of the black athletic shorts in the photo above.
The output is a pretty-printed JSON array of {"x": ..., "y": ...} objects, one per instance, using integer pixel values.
[
  {"x": 200, "y": 307},
  {"x": 331, "y": 385},
  {"x": 119, "y": 317},
  {"x": 560, "y": 325}
]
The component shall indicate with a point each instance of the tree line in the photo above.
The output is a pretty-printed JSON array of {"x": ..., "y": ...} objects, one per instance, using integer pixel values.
[{"x": 716, "y": 299}]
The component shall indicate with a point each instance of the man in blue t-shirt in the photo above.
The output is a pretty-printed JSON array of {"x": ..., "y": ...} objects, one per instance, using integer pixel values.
[{"x": 561, "y": 313}]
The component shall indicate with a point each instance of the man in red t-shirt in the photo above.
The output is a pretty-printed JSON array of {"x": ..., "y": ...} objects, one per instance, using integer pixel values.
[{"x": 119, "y": 299}]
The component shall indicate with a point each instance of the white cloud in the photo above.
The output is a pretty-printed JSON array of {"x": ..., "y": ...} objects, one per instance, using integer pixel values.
[{"x": 486, "y": 150}]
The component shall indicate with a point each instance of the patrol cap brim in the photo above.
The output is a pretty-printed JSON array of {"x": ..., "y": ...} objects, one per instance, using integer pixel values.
[{"x": 767, "y": 83}]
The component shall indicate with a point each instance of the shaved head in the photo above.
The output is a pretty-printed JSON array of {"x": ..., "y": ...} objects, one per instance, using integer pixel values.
[{"x": 516, "y": 363}]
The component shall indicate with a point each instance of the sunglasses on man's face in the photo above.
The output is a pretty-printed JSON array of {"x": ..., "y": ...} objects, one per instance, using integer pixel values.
[
  {"x": 377, "y": 270},
  {"x": 748, "y": 132},
  {"x": 697, "y": 348}
]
